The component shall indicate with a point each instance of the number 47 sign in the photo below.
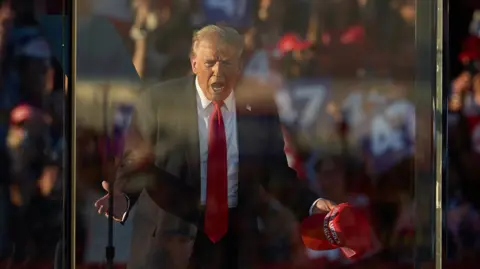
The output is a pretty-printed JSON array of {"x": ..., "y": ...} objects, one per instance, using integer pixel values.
[{"x": 302, "y": 103}]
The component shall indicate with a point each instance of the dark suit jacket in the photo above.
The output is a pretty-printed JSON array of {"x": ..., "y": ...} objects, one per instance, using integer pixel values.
[{"x": 163, "y": 147}]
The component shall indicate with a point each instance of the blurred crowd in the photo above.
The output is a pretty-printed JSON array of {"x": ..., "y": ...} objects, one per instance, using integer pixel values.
[
  {"x": 342, "y": 73},
  {"x": 32, "y": 99},
  {"x": 464, "y": 129}
]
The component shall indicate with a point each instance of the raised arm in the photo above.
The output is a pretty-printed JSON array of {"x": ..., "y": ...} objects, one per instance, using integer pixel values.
[
  {"x": 284, "y": 185},
  {"x": 130, "y": 171},
  {"x": 150, "y": 142}
]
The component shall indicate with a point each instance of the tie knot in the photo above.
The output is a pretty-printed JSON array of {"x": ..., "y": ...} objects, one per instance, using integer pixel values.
[{"x": 218, "y": 104}]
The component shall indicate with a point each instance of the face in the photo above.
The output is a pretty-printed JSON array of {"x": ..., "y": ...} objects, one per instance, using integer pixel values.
[
  {"x": 407, "y": 12},
  {"x": 218, "y": 68}
]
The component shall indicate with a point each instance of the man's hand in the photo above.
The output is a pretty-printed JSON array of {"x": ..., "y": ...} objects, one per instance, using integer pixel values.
[
  {"x": 323, "y": 206},
  {"x": 120, "y": 203}
]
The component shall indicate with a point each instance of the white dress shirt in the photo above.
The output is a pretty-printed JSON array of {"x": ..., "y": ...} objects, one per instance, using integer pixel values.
[{"x": 204, "y": 110}]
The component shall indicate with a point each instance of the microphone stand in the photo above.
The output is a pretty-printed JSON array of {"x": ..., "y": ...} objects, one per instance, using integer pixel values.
[{"x": 110, "y": 249}]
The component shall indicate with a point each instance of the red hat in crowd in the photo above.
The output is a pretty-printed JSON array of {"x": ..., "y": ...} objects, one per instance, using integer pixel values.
[
  {"x": 344, "y": 227},
  {"x": 21, "y": 113},
  {"x": 291, "y": 42},
  {"x": 471, "y": 45},
  {"x": 471, "y": 49}
]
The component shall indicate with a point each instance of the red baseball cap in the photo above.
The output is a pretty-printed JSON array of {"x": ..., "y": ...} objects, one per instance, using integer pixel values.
[
  {"x": 21, "y": 113},
  {"x": 470, "y": 49},
  {"x": 290, "y": 42},
  {"x": 344, "y": 227}
]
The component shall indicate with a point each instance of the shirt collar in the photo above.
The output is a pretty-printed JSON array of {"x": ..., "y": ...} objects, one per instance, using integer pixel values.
[{"x": 229, "y": 101}]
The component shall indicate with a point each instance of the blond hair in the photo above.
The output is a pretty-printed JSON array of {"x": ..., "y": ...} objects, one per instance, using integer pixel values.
[{"x": 226, "y": 34}]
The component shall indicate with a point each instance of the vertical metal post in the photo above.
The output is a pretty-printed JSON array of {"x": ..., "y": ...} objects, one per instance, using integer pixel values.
[
  {"x": 426, "y": 138},
  {"x": 440, "y": 135},
  {"x": 110, "y": 249},
  {"x": 69, "y": 186}
]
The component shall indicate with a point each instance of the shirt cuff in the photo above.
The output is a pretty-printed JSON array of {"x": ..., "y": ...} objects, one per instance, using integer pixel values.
[
  {"x": 124, "y": 216},
  {"x": 310, "y": 212}
]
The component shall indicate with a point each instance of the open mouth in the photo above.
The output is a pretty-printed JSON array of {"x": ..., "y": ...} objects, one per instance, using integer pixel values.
[{"x": 218, "y": 86}]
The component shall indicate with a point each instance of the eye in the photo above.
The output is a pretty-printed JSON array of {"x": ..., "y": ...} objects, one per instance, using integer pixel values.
[{"x": 210, "y": 63}]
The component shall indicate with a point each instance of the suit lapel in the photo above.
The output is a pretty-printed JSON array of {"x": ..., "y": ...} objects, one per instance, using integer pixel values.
[
  {"x": 247, "y": 189},
  {"x": 242, "y": 140},
  {"x": 190, "y": 127},
  {"x": 241, "y": 114}
]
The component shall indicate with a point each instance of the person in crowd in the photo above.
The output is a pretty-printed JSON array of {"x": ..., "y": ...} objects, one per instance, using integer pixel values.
[
  {"x": 109, "y": 60},
  {"x": 119, "y": 14},
  {"x": 166, "y": 57},
  {"x": 224, "y": 229},
  {"x": 25, "y": 73},
  {"x": 465, "y": 147},
  {"x": 342, "y": 28},
  {"x": 6, "y": 17},
  {"x": 296, "y": 56},
  {"x": 28, "y": 142},
  {"x": 471, "y": 110}
]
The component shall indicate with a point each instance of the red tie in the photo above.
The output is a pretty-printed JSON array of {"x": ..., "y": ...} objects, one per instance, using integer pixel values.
[{"x": 216, "y": 211}]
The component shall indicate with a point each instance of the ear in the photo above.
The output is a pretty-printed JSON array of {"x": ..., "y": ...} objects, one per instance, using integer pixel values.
[
  {"x": 194, "y": 64},
  {"x": 240, "y": 67}
]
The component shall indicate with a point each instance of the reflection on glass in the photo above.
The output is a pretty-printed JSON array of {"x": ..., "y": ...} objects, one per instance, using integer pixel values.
[
  {"x": 238, "y": 131},
  {"x": 31, "y": 129}
]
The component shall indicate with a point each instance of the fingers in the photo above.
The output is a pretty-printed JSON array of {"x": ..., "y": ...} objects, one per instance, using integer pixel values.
[
  {"x": 102, "y": 204},
  {"x": 105, "y": 185},
  {"x": 331, "y": 204},
  {"x": 323, "y": 206},
  {"x": 102, "y": 210},
  {"x": 117, "y": 186}
]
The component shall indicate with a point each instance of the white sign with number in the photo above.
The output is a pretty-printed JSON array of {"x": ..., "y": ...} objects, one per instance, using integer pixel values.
[
  {"x": 314, "y": 95},
  {"x": 301, "y": 106},
  {"x": 391, "y": 129}
]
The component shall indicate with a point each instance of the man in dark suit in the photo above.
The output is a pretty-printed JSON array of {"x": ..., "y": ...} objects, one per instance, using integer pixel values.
[{"x": 198, "y": 155}]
